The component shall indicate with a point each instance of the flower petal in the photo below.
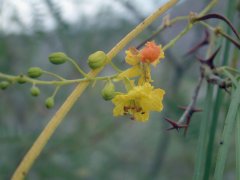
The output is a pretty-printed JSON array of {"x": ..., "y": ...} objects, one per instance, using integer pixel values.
[
  {"x": 132, "y": 56},
  {"x": 142, "y": 117},
  {"x": 154, "y": 101},
  {"x": 130, "y": 73}
]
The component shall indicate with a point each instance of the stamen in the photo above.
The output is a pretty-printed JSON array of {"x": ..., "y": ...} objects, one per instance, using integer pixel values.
[
  {"x": 126, "y": 108},
  {"x": 138, "y": 109}
]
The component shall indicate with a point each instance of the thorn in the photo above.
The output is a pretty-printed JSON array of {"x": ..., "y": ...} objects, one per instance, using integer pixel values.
[
  {"x": 193, "y": 110},
  {"x": 209, "y": 61},
  {"x": 174, "y": 124},
  {"x": 202, "y": 43}
]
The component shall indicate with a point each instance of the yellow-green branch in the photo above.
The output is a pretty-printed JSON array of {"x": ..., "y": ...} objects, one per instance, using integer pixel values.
[
  {"x": 45, "y": 135},
  {"x": 190, "y": 25},
  {"x": 63, "y": 82}
]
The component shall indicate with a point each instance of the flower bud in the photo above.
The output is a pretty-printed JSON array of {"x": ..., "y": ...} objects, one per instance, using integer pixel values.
[
  {"x": 4, "y": 85},
  {"x": 108, "y": 91},
  {"x": 35, "y": 72},
  {"x": 49, "y": 103},
  {"x": 97, "y": 59},
  {"x": 21, "y": 79},
  {"x": 58, "y": 58},
  {"x": 35, "y": 91}
]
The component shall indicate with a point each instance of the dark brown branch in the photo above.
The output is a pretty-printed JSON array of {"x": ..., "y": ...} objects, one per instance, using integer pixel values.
[
  {"x": 191, "y": 107},
  {"x": 202, "y": 43},
  {"x": 185, "y": 119},
  {"x": 220, "y": 82},
  {"x": 218, "y": 16},
  {"x": 209, "y": 61},
  {"x": 230, "y": 39}
]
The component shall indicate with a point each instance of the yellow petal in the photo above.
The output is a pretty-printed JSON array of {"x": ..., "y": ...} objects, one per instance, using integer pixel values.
[
  {"x": 132, "y": 57},
  {"x": 130, "y": 73},
  {"x": 155, "y": 63},
  {"x": 141, "y": 117},
  {"x": 119, "y": 102},
  {"x": 129, "y": 84},
  {"x": 154, "y": 101}
]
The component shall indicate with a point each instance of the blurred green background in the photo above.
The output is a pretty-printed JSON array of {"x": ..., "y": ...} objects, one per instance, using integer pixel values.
[{"x": 91, "y": 143}]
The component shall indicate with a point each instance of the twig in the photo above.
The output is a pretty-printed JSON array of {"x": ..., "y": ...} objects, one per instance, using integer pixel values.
[
  {"x": 161, "y": 28},
  {"x": 218, "y": 16},
  {"x": 191, "y": 107},
  {"x": 202, "y": 43}
]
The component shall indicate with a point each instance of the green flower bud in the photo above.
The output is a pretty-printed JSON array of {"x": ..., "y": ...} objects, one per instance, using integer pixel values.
[
  {"x": 21, "y": 79},
  {"x": 35, "y": 72},
  {"x": 4, "y": 85},
  {"x": 108, "y": 91},
  {"x": 58, "y": 58},
  {"x": 35, "y": 91},
  {"x": 49, "y": 103},
  {"x": 97, "y": 59}
]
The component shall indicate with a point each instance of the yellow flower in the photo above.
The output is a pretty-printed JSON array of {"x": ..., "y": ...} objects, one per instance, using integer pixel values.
[
  {"x": 138, "y": 102},
  {"x": 140, "y": 61},
  {"x": 151, "y": 53}
]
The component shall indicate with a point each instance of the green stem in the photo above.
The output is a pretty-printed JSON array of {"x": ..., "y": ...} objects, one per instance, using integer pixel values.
[
  {"x": 229, "y": 75},
  {"x": 115, "y": 67},
  {"x": 227, "y": 134},
  {"x": 77, "y": 67},
  {"x": 163, "y": 26},
  {"x": 190, "y": 25},
  {"x": 174, "y": 40},
  {"x": 203, "y": 135},
  {"x": 238, "y": 147},
  {"x": 233, "y": 70},
  {"x": 55, "y": 91},
  {"x": 208, "y": 7},
  {"x": 230, "y": 9},
  {"x": 54, "y": 75},
  {"x": 213, "y": 128},
  {"x": 60, "y": 83},
  {"x": 219, "y": 31}
]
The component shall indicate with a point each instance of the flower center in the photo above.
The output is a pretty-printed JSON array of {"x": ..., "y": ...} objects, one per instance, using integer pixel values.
[{"x": 132, "y": 110}]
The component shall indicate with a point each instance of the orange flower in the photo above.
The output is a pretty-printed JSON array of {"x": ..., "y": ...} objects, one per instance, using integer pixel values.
[{"x": 151, "y": 53}]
